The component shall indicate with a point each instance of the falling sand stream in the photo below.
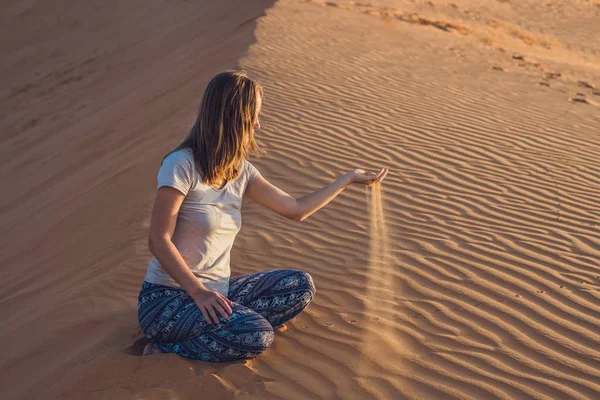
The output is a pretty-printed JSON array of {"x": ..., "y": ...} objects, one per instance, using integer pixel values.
[{"x": 382, "y": 344}]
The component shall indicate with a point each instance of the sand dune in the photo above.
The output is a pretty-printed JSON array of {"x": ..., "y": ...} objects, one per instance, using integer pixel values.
[
  {"x": 93, "y": 94},
  {"x": 477, "y": 279},
  {"x": 489, "y": 207}
]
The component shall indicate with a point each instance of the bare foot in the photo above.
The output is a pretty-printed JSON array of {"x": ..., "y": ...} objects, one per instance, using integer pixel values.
[{"x": 150, "y": 349}]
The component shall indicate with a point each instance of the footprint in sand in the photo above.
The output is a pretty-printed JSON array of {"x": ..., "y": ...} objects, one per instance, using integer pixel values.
[
  {"x": 553, "y": 75},
  {"x": 579, "y": 99},
  {"x": 584, "y": 85}
]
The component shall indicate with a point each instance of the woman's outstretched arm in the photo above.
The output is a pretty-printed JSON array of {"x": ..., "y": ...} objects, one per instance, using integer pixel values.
[{"x": 264, "y": 192}]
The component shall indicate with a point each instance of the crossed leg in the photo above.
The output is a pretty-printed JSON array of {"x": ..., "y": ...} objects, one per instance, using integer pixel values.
[
  {"x": 278, "y": 295},
  {"x": 263, "y": 300}
]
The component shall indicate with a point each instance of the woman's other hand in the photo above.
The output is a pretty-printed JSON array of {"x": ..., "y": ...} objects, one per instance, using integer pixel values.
[
  {"x": 367, "y": 177},
  {"x": 210, "y": 303}
]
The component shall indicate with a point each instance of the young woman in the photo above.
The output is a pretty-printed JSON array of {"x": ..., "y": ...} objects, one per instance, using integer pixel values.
[{"x": 188, "y": 303}]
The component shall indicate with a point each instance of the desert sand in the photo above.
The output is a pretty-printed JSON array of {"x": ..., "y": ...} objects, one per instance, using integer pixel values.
[{"x": 472, "y": 272}]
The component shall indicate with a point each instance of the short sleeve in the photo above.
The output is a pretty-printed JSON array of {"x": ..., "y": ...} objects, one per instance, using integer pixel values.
[
  {"x": 177, "y": 171},
  {"x": 252, "y": 172}
]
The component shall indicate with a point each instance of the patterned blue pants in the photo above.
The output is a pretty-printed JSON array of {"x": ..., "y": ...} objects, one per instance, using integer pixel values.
[{"x": 261, "y": 301}]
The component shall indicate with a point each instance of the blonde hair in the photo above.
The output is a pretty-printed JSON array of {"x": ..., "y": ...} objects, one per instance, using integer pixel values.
[{"x": 225, "y": 119}]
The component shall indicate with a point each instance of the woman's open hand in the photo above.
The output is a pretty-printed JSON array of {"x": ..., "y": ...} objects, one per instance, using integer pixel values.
[
  {"x": 367, "y": 177},
  {"x": 211, "y": 303}
]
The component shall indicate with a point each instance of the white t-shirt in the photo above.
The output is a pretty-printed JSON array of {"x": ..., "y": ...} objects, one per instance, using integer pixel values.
[{"x": 208, "y": 221}]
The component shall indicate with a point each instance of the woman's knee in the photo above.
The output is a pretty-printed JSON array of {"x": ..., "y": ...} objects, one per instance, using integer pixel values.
[
  {"x": 248, "y": 332},
  {"x": 261, "y": 341},
  {"x": 305, "y": 281},
  {"x": 246, "y": 345}
]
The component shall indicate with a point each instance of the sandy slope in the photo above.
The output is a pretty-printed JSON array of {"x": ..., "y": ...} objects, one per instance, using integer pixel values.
[
  {"x": 93, "y": 95},
  {"x": 488, "y": 285},
  {"x": 491, "y": 205}
]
